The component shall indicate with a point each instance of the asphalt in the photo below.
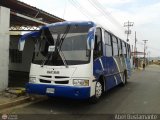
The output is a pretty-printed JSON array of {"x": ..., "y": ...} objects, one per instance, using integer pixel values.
[{"x": 141, "y": 95}]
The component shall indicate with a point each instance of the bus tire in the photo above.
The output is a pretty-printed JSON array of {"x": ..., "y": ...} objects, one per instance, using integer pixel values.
[
  {"x": 124, "y": 79},
  {"x": 98, "y": 93}
]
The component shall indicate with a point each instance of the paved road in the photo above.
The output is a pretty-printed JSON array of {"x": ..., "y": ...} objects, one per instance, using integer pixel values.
[{"x": 140, "y": 95}]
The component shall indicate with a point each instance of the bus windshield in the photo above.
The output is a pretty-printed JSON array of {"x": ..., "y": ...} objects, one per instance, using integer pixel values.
[{"x": 70, "y": 40}]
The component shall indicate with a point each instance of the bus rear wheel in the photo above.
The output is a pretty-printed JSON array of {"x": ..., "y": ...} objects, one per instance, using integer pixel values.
[
  {"x": 98, "y": 93},
  {"x": 124, "y": 82}
]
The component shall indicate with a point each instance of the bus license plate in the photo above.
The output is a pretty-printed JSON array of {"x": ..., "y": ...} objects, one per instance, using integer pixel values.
[{"x": 50, "y": 90}]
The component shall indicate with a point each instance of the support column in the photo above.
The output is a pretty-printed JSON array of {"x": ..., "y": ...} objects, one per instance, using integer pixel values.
[{"x": 4, "y": 46}]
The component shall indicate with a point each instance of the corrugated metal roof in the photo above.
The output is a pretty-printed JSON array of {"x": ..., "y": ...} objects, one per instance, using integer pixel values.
[{"x": 28, "y": 10}]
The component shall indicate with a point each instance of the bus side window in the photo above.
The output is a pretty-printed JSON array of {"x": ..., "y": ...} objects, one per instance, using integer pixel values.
[
  {"x": 108, "y": 44},
  {"x": 98, "y": 44},
  {"x": 129, "y": 51},
  {"x": 95, "y": 45},
  {"x": 124, "y": 48},
  {"x": 120, "y": 47},
  {"x": 115, "y": 46}
]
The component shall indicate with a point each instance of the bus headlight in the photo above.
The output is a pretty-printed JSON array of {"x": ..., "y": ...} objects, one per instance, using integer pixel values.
[
  {"x": 78, "y": 82},
  {"x": 32, "y": 79}
]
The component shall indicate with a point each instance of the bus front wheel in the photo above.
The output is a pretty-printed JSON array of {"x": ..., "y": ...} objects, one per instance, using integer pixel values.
[{"x": 98, "y": 92}]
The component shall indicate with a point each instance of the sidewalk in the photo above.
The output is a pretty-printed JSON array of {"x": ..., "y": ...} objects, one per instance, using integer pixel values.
[
  {"x": 12, "y": 96},
  {"x": 16, "y": 96}
]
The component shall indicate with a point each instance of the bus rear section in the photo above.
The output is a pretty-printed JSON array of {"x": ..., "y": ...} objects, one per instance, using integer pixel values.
[{"x": 111, "y": 61}]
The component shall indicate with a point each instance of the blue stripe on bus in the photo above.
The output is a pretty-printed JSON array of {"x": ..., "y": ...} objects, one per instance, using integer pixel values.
[
  {"x": 128, "y": 64},
  {"x": 60, "y": 91},
  {"x": 110, "y": 68}
]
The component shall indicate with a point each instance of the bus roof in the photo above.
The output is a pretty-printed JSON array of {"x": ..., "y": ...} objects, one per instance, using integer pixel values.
[{"x": 85, "y": 23}]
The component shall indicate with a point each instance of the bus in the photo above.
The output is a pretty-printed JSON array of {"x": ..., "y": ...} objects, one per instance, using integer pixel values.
[{"x": 77, "y": 60}]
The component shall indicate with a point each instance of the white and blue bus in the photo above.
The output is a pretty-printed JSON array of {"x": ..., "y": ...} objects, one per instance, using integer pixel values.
[{"x": 78, "y": 60}]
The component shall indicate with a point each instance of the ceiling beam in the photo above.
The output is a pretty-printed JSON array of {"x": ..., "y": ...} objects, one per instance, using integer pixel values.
[{"x": 28, "y": 18}]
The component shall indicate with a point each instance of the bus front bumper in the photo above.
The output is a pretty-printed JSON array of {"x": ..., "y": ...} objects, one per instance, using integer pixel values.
[{"x": 59, "y": 91}]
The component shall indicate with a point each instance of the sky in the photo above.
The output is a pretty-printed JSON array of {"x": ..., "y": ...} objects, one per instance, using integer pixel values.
[{"x": 113, "y": 13}]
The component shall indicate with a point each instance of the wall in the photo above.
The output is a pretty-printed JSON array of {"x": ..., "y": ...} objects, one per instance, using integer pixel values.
[
  {"x": 26, "y": 55},
  {"x": 4, "y": 46}
]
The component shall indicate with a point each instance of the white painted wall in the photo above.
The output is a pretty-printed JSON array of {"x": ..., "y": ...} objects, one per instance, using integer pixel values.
[
  {"x": 26, "y": 54},
  {"x": 4, "y": 46}
]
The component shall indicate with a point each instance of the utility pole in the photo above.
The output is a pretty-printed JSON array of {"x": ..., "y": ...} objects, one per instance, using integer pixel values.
[
  {"x": 145, "y": 41},
  {"x": 128, "y": 31}
]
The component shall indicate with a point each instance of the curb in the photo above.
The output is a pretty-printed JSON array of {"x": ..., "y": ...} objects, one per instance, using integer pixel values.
[{"x": 14, "y": 103}]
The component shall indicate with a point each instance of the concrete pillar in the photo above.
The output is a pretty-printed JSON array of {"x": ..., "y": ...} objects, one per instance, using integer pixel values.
[{"x": 4, "y": 46}]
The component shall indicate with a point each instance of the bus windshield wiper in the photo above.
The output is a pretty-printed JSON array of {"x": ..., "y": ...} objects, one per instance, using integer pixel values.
[
  {"x": 62, "y": 56},
  {"x": 45, "y": 59},
  {"x": 48, "y": 54},
  {"x": 59, "y": 44}
]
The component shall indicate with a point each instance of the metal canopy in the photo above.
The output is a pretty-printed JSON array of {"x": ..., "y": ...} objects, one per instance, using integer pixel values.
[{"x": 25, "y": 17}]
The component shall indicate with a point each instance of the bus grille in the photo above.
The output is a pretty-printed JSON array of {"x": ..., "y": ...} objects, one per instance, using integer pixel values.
[
  {"x": 44, "y": 81},
  {"x": 62, "y": 82}
]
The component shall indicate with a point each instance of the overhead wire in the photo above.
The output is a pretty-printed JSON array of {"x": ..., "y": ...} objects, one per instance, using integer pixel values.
[
  {"x": 97, "y": 5},
  {"x": 102, "y": 10},
  {"x": 84, "y": 11},
  {"x": 156, "y": 49},
  {"x": 81, "y": 9}
]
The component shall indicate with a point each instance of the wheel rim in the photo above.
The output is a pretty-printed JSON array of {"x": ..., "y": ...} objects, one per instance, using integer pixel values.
[{"x": 98, "y": 89}]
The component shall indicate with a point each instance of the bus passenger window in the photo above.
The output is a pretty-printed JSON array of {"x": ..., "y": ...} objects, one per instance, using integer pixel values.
[
  {"x": 124, "y": 49},
  {"x": 108, "y": 45},
  {"x": 115, "y": 46},
  {"x": 120, "y": 47},
  {"x": 98, "y": 44},
  {"x": 129, "y": 51}
]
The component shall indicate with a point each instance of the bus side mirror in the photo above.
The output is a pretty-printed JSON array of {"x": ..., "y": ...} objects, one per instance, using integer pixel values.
[
  {"x": 90, "y": 40},
  {"x": 90, "y": 45},
  {"x": 21, "y": 45},
  {"x": 95, "y": 43}
]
